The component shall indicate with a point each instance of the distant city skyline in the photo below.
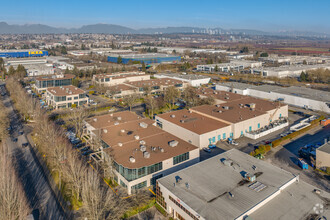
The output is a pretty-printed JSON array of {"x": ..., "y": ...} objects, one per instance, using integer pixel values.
[{"x": 271, "y": 16}]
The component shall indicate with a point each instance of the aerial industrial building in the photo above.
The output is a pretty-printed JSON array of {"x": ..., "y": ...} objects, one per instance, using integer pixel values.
[
  {"x": 234, "y": 117},
  {"x": 234, "y": 185},
  {"x": 193, "y": 79},
  {"x": 287, "y": 71},
  {"x": 147, "y": 58},
  {"x": 297, "y": 96},
  {"x": 142, "y": 152},
  {"x": 119, "y": 78},
  {"x": 23, "y": 53},
  {"x": 233, "y": 65}
]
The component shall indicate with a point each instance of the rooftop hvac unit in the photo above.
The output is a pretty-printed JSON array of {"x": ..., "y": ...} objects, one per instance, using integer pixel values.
[
  {"x": 172, "y": 116},
  {"x": 131, "y": 159},
  {"x": 118, "y": 118},
  {"x": 252, "y": 105},
  {"x": 136, "y": 137},
  {"x": 143, "y": 125},
  {"x": 226, "y": 97},
  {"x": 227, "y": 162},
  {"x": 215, "y": 92},
  {"x": 218, "y": 105},
  {"x": 122, "y": 130},
  {"x": 219, "y": 111},
  {"x": 142, "y": 142},
  {"x": 173, "y": 143},
  {"x": 95, "y": 119},
  {"x": 111, "y": 115},
  {"x": 105, "y": 131},
  {"x": 146, "y": 154},
  {"x": 116, "y": 123},
  {"x": 162, "y": 150},
  {"x": 226, "y": 107},
  {"x": 70, "y": 93},
  {"x": 143, "y": 148},
  {"x": 120, "y": 144}
]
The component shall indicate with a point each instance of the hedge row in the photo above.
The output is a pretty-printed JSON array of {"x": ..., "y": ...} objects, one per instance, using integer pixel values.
[
  {"x": 279, "y": 141},
  {"x": 262, "y": 149}
]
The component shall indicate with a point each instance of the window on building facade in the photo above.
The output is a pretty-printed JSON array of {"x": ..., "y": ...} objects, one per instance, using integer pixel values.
[
  {"x": 123, "y": 184},
  {"x": 133, "y": 174},
  {"x": 159, "y": 197},
  {"x": 219, "y": 137},
  {"x": 139, "y": 186},
  {"x": 81, "y": 96},
  {"x": 183, "y": 208},
  {"x": 180, "y": 158},
  {"x": 76, "y": 97}
]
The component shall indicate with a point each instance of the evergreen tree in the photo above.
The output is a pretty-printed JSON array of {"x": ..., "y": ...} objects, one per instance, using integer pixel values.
[{"x": 143, "y": 67}]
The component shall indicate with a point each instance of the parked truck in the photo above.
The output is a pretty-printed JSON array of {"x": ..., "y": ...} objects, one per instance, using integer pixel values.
[{"x": 302, "y": 164}]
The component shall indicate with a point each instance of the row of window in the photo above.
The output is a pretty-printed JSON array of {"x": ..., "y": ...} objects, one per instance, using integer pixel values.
[
  {"x": 53, "y": 83},
  {"x": 159, "y": 197},
  {"x": 139, "y": 185},
  {"x": 180, "y": 158},
  {"x": 183, "y": 208},
  {"x": 63, "y": 98},
  {"x": 133, "y": 174}
]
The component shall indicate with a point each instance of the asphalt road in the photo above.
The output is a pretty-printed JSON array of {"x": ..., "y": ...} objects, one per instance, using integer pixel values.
[{"x": 40, "y": 195}]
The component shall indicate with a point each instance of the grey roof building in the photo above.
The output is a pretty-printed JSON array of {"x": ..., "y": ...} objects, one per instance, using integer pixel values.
[{"x": 234, "y": 185}]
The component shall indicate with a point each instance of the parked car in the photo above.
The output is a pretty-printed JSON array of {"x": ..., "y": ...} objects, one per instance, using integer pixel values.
[
  {"x": 88, "y": 152},
  {"x": 234, "y": 143},
  {"x": 211, "y": 146},
  {"x": 208, "y": 150},
  {"x": 85, "y": 149}
]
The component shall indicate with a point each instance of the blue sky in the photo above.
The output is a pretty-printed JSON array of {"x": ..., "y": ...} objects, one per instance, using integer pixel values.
[{"x": 275, "y": 15}]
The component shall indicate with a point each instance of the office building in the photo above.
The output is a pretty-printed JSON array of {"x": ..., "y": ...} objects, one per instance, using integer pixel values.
[
  {"x": 44, "y": 82},
  {"x": 65, "y": 97},
  {"x": 119, "y": 78},
  {"x": 147, "y": 58},
  {"x": 193, "y": 79},
  {"x": 142, "y": 152}
]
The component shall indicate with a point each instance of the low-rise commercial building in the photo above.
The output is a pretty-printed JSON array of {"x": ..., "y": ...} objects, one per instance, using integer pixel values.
[
  {"x": 158, "y": 85},
  {"x": 23, "y": 53},
  {"x": 296, "y": 96},
  {"x": 233, "y": 65},
  {"x": 142, "y": 153},
  {"x": 119, "y": 78},
  {"x": 235, "y": 185},
  {"x": 44, "y": 82},
  {"x": 287, "y": 71},
  {"x": 65, "y": 97},
  {"x": 233, "y": 117},
  {"x": 193, "y": 79}
]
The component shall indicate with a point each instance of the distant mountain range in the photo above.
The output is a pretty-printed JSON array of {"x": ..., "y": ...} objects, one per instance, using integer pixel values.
[{"x": 117, "y": 29}]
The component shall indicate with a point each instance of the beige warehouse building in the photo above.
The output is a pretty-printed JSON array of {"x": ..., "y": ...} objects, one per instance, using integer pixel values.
[{"x": 323, "y": 156}]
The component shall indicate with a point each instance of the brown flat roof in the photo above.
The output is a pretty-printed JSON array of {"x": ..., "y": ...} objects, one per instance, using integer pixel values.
[
  {"x": 65, "y": 90},
  {"x": 111, "y": 119},
  {"x": 220, "y": 95},
  {"x": 192, "y": 121},
  {"x": 119, "y": 75},
  {"x": 54, "y": 77},
  {"x": 121, "y": 87},
  {"x": 156, "y": 82}
]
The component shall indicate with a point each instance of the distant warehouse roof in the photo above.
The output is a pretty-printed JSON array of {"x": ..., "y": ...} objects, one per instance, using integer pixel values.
[{"x": 146, "y": 58}]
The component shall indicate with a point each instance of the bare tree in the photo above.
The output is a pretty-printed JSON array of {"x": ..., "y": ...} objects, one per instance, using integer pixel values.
[
  {"x": 13, "y": 203},
  {"x": 151, "y": 105},
  {"x": 207, "y": 101},
  {"x": 190, "y": 96},
  {"x": 130, "y": 100},
  {"x": 76, "y": 119},
  {"x": 171, "y": 95},
  {"x": 98, "y": 201}
]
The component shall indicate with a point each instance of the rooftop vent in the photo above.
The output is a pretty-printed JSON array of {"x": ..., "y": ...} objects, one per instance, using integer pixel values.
[
  {"x": 172, "y": 116},
  {"x": 116, "y": 123},
  {"x": 95, "y": 119},
  {"x": 173, "y": 143},
  {"x": 162, "y": 150},
  {"x": 119, "y": 118},
  {"x": 111, "y": 115},
  {"x": 227, "y": 162},
  {"x": 143, "y": 148},
  {"x": 142, "y": 142},
  {"x": 226, "y": 97},
  {"x": 226, "y": 107},
  {"x": 131, "y": 159},
  {"x": 252, "y": 105},
  {"x": 122, "y": 130},
  {"x": 218, "y": 105},
  {"x": 146, "y": 154},
  {"x": 120, "y": 144},
  {"x": 136, "y": 137},
  {"x": 143, "y": 125},
  {"x": 105, "y": 131}
]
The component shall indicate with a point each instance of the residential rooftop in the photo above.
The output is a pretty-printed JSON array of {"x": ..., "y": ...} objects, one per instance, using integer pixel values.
[
  {"x": 218, "y": 190},
  {"x": 65, "y": 90}
]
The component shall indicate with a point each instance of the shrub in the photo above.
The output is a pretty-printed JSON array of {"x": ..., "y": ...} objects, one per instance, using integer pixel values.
[{"x": 160, "y": 209}]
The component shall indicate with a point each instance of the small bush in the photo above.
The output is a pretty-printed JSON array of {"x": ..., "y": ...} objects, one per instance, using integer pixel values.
[{"x": 160, "y": 209}]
